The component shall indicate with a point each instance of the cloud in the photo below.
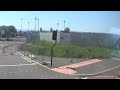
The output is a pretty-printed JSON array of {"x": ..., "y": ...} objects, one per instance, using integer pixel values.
[{"x": 114, "y": 30}]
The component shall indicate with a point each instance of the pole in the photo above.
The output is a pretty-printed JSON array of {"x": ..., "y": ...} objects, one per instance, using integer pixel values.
[
  {"x": 38, "y": 24},
  {"x": 52, "y": 54},
  {"x": 21, "y": 26},
  {"x": 35, "y": 23},
  {"x": 64, "y": 24},
  {"x": 28, "y": 26},
  {"x": 57, "y": 25}
]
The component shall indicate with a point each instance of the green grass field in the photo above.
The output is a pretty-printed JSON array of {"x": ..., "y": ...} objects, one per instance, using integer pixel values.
[{"x": 68, "y": 51}]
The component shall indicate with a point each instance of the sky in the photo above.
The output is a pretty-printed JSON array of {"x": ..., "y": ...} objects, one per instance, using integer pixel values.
[{"x": 79, "y": 21}]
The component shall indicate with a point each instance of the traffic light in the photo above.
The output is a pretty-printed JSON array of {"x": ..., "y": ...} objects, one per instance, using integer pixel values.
[{"x": 54, "y": 35}]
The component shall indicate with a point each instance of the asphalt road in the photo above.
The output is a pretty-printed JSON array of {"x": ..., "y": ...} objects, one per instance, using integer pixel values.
[{"x": 15, "y": 67}]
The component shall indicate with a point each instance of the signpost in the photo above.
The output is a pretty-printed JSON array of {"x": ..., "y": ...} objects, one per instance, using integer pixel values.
[{"x": 54, "y": 37}]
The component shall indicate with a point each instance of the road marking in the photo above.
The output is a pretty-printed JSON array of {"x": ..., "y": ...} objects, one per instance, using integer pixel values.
[
  {"x": 103, "y": 76},
  {"x": 26, "y": 59},
  {"x": 5, "y": 72},
  {"x": 15, "y": 72},
  {"x": 74, "y": 74},
  {"x": 10, "y": 72},
  {"x": 19, "y": 53},
  {"x": 17, "y": 65}
]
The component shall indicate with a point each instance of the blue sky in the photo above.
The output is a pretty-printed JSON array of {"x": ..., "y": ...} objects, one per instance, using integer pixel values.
[{"x": 80, "y": 21}]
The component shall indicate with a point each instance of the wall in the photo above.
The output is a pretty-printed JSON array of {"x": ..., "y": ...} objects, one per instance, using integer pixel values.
[
  {"x": 65, "y": 37},
  {"x": 42, "y": 36},
  {"x": 89, "y": 39},
  {"x": 48, "y": 36}
]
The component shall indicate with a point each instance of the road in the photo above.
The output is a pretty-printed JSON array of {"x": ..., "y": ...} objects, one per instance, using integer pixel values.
[{"x": 17, "y": 67}]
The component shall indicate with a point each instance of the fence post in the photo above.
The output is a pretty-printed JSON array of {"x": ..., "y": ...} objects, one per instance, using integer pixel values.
[
  {"x": 24, "y": 50},
  {"x": 31, "y": 52},
  {"x": 43, "y": 55}
]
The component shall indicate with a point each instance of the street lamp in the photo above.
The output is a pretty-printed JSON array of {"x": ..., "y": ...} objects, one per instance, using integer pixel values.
[
  {"x": 21, "y": 26},
  {"x": 64, "y": 24},
  {"x": 57, "y": 25},
  {"x": 28, "y": 26},
  {"x": 38, "y": 25},
  {"x": 35, "y": 23}
]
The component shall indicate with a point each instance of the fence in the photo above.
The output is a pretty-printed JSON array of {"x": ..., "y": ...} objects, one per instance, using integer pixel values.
[{"x": 42, "y": 54}]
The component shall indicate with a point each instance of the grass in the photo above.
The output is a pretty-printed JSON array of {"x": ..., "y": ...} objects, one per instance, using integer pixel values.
[{"x": 68, "y": 51}]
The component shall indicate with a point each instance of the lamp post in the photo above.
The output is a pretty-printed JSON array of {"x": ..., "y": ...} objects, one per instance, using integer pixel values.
[
  {"x": 21, "y": 26},
  {"x": 28, "y": 26},
  {"x": 35, "y": 23},
  {"x": 57, "y": 25},
  {"x": 38, "y": 26},
  {"x": 64, "y": 24}
]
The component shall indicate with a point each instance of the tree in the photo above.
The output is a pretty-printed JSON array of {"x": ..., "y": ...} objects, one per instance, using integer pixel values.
[
  {"x": 9, "y": 31},
  {"x": 67, "y": 30},
  {"x": 51, "y": 29}
]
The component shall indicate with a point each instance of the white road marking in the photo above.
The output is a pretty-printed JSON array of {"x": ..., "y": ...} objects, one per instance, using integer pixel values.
[
  {"x": 5, "y": 72},
  {"x": 10, "y": 72},
  {"x": 72, "y": 74},
  {"x": 30, "y": 71},
  {"x": 15, "y": 72},
  {"x": 26, "y": 59},
  {"x": 103, "y": 76},
  {"x": 17, "y": 65}
]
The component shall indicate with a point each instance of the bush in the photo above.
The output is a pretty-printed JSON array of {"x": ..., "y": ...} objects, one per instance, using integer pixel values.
[{"x": 69, "y": 51}]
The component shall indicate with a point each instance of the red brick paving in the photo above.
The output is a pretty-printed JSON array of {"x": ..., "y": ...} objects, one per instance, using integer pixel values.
[{"x": 66, "y": 70}]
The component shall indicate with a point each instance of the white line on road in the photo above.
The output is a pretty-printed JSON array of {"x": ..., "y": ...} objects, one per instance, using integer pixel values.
[
  {"x": 17, "y": 65},
  {"x": 26, "y": 59},
  {"x": 103, "y": 76},
  {"x": 72, "y": 74}
]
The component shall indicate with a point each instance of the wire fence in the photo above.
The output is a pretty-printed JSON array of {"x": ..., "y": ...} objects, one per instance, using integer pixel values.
[{"x": 40, "y": 53}]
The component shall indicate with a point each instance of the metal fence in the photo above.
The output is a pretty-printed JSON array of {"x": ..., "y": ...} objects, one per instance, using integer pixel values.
[{"x": 41, "y": 54}]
